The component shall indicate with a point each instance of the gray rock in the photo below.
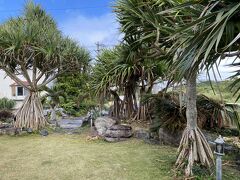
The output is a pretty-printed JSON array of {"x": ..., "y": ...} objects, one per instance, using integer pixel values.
[
  {"x": 119, "y": 131},
  {"x": 43, "y": 132},
  {"x": 169, "y": 138},
  {"x": 5, "y": 125},
  {"x": 9, "y": 131},
  {"x": 69, "y": 123},
  {"x": 29, "y": 130},
  {"x": 142, "y": 134},
  {"x": 102, "y": 124}
]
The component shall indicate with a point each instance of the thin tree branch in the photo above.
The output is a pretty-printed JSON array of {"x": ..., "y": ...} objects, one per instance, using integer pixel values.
[
  {"x": 26, "y": 75},
  {"x": 48, "y": 81},
  {"x": 15, "y": 78},
  {"x": 34, "y": 74}
]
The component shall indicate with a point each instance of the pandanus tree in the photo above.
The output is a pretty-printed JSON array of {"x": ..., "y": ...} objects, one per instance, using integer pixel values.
[
  {"x": 33, "y": 47},
  {"x": 125, "y": 71},
  {"x": 213, "y": 34},
  {"x": 191, "y": 36},
  {"x": 103, "y": 81},
  {"x": 114, "y": 75}
]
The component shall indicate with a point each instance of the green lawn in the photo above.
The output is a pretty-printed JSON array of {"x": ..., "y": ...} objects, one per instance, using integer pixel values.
[
  {"x": 73, "y": 157},
  {"x": 70, "y": 157}
]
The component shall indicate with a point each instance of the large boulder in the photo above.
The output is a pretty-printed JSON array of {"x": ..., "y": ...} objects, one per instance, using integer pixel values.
[
  {"x": 118, "y": 133},
  {"x": 142, "y": 134},
  {"x": 102, "y": 124},
  {"x": 169, "y": 138},
  {"x": 9, "y": 130}
]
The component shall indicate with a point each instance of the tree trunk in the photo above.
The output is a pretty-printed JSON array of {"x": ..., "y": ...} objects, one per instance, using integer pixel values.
[
  {"x": 142, "y": 111},
  {"x": 193, "y": 146},
  {"x": 128, "y": 100},
  {"x": 30, "y": 115},
  {"x": 116, "y": 105}
]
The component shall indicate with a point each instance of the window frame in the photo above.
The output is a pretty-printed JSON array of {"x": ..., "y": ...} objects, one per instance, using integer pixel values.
[{"x": 17, "y": 91}]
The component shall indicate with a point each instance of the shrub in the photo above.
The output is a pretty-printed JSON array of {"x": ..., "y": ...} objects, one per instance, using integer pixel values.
[
  {"x": 169, "y": 113},
  {"x": 5, "y": 115},
  {"x": 6, "y": 103}
]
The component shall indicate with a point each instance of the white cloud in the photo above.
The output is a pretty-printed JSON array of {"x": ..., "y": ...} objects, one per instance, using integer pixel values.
[{"x": 90, "y": 30}]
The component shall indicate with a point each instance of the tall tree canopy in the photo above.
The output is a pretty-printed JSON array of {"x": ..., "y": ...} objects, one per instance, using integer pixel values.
[
  {"x": 32, "y": 46},
  {"x": 191, "y": 36},
  {"x": 124, "y": 71}
]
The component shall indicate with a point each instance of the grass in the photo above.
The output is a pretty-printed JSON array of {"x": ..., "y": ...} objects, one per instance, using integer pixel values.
[{"x": 70, "y": 157}]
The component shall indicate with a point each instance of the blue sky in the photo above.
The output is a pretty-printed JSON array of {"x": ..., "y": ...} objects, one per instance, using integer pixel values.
[{"x": 86, "y": 21}]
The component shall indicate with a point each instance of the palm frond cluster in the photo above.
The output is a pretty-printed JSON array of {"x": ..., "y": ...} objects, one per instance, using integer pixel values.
[
  {"x": 125, "y": 72},
  {"x": 189, "y": 36},
  {"x": 32, "y": 42},
  {"x": 170, "y": 113}
]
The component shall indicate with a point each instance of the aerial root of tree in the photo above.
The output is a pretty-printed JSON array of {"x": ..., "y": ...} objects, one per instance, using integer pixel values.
[
  {"x": 30, "y": 115},
  {"x": 193, "y": 148},
  {"x": 141, "y": 114}
]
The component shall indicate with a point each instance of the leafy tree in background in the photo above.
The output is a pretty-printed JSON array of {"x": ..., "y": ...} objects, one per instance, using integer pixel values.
[
  {"x": 32, "y": 46},
  {"x": 76, "y": 87}
]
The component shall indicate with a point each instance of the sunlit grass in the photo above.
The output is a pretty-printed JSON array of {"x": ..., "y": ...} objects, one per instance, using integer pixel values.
[{"x": 73, "y": 157}]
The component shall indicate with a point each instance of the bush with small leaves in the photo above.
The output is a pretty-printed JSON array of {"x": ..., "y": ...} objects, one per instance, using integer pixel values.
[{"x": 6, "y": 103}]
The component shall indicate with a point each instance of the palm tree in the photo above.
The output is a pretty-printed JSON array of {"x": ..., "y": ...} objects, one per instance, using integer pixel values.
[
  {"x": 103, "y": 79},
  {"x": 127, "y": 71},
  {"x": 32, "y": 42},
  {"x": 191, "y": 36},
  {"x": 199, "y": 43}
]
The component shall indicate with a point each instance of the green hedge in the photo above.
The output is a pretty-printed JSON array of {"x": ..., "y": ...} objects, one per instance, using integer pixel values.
[{"x": 6, "y": 104}]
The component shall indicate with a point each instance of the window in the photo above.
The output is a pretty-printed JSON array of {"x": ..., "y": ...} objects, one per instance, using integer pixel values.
[{"x": 19, "y": 91}]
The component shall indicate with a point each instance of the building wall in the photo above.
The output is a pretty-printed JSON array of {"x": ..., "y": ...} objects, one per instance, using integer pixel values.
[
  {"x": 6, "y": 89},
  {"x": 5, "y": 82}
]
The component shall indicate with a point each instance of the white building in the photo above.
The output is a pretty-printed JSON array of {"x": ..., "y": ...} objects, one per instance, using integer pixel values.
[{"x": 11, "y": 90}]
